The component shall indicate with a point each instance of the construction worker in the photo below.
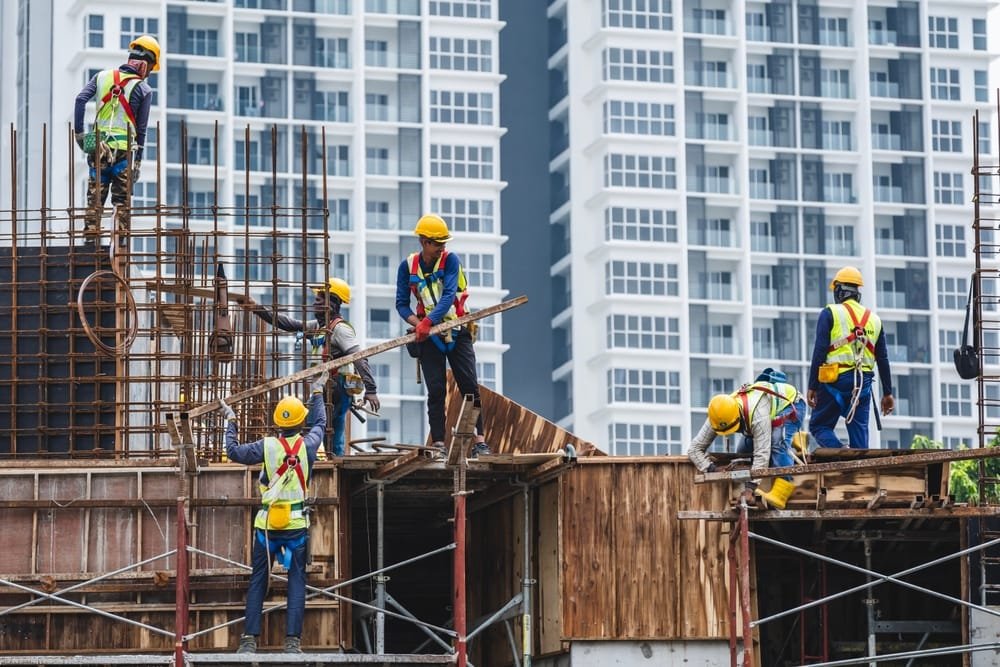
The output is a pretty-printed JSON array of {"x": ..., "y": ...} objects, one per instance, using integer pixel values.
[
  {"x": 332, "y": 337},
  {"x": 434, "y": 277},
  {"x": 849, "y": 344},
  {"x": 768, "y": 414},
  {"x": 123, "y": 101},
  {"x": 281, "y": 526}
]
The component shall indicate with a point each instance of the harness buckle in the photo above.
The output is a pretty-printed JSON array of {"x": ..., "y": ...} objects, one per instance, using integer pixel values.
[{"x": 292, "y": 461}]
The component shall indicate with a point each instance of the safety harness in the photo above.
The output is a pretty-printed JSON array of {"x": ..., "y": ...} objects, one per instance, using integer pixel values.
[
  {"x": 776, "y": 420},
  {"x": 419, "y": 282},
  {"x": 116, "y": 95},
  {"x": 858, "y": 339}
]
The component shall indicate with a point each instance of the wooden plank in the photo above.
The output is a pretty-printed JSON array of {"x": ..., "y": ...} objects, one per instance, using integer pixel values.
[
  {"x": 403, "y": 465},
  {"x": 312, "y": 371},
  {"x": 587, "y": 560},
  {"x": 548, "y": 602},
  {"x": 464, "y": 431}
]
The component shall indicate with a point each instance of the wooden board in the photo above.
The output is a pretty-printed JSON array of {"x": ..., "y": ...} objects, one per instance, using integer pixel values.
[{"x": 548, "y": 603}]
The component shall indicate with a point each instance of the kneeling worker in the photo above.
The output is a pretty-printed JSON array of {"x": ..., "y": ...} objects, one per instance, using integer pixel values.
[
  {"x": 768, "y": 414},
  {"x": 281, "y": 528}
]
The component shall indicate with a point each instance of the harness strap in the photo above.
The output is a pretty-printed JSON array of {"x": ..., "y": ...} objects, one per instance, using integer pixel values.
[
  {"x": 859, "y": 331},
  {"x": 291, "y": 454},
  {"x": 777, "y": 421},
  {"x": 117, "y": 92}
]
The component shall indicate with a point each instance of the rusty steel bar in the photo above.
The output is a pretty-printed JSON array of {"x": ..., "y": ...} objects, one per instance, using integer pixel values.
[{"x": 745, "y": 606}]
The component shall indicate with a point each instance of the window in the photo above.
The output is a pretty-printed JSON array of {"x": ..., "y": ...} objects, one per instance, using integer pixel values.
[
  {"x": 462, "y": 108},
  {"x": 641, "y": 278},
  {"x": 640, "y": 224},
  {"x": 247, "y": 47},
  {"x": 486, "y": 373},
  {"x": 632, "y": 385},
  {"x": 641, "y": 14},
  {"x": 948, "y": 340},
  {"x": 837, "y": 135},
  {"x": 376, "y": 160},
  {"x": 833, "y": 31},
  {"x": 334, "y": 106},
  {"x": 449, "y": 161},
  {"x": 942, "y": 32},
  {"x": 332, "y": 52},
  {"x": 202, "y": 95},
  {"x": 93, "y": 29},
  {"x": 948, "y": 188},
  {"x": 956, "y": 400},
  {"x": 143, "y": 195},
  {"x": 479, "y": 270},
  {"x": 981, "y": 85},
  {"x": 643, "y": 332},
  {"x": 202, "y": 42},
  {"x": 645, "y": 118},
  {"x": 466, "y": 215},
  {"x": 979, "y": 34},
  {"x": 946, "y": 135},
  {"x": 944, "y": 84},
  {"x": 133, "y": 27},
  {"x": 838, "y": 187},
  {"x": 835, "y": 83},
  {"x": 469, "y": 55},
  {"x": 376, "y": 53},
  {"x": 340, "y": 216},
  {"x": 644, "y": 440},
  {"x": 984, "y": 137},
  {"x": 950, "y": 240},
  {"x": 640, "y": 171},
  {"x": 378, "y": 323},
  {"x": 952, "y": 292},
  {"x": 377, "y": 214},
  {"x": 714, "y": 73},
  {"x": 953, "y": 442},
  {"x": 377, "y": 270},
  {"x": 638, "y": 65},
  {"x": 470, "y": 9}
]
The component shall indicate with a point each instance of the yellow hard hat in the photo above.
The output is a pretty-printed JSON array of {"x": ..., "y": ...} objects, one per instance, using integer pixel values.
[
  {"x": 848, "y": 275},
  {"x": 432, "y": 227},
  {"x": 289, "y": 412},
  {"x": 148, "y": 43},
  {"x": 724, "y": 414},
  {"x": 337, "y": 287}
]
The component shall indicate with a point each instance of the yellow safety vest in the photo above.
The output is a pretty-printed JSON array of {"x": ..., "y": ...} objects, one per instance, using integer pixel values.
[
  {"x": 847, "y": 345},
  {"x": 428, "y": 288},
  {"x": 114, "y": 114},
  {"x": 782, "y": 393},
  {"x": 290, "y": 488}
]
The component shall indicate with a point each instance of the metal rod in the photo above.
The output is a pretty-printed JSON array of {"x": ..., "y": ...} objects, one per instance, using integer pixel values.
[
  {"x": 870, "y": 602},
  {"x": 459, "y": 579},
  {"x": 499, "y": 613},
  {"x": 380, "y": 578},
  {"x": 732, "y": 594},
  {"x": 394, "y": 603},
  {"x": 527, "y": 581}
]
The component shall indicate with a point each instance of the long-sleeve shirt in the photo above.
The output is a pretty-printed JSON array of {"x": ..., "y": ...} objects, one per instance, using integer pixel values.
[
  {"x": 449, "y": 291},
  {"x": 140, "y": 101},
  {"x": 822, "y": 345},
  {"x": 760, "y": 432},
  {"x": 252, "y": 453},
  {"x": 343, "y": 340}
]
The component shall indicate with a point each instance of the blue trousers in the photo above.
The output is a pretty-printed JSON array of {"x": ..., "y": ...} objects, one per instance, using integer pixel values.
[
  {"x": 296, "y": 541},
  {"x": 833, "y": 402},
  {"x": 341, "y": 404},
  {"x": 781, "y": 438}
]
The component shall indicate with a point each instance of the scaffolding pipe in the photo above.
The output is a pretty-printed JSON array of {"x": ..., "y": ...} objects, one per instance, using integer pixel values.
[
  {"x": 459, "y": 567},
  {"x": 869, "y": 602},
  {"x": 526, "y": 580},
  {"x": 733, "y": 567},
  {"x": 380, "y": 578},
  {"x": 745, "y": 583},
  {"x": 181, "y": 595}
]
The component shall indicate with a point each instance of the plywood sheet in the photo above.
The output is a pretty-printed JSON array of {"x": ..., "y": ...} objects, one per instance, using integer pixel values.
[{"x": 549, "y": 599}]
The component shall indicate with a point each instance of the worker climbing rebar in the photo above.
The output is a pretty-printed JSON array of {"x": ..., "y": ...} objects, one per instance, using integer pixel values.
[
  {"x": 767, "y": 413},
  {"x": 849, "y": 344},
  {"x": 123, "y": 102}
]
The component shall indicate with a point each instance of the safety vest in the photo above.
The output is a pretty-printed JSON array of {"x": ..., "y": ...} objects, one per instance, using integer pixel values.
[
  {"x": 428, "y": 288},
  {"x": 115, "y": 119},
  {"x": 783, "y": 396},
  {"x": 321, "y": 345},
  {"x": 287, "y": 469},
  {"x": 853, "y": 335}
]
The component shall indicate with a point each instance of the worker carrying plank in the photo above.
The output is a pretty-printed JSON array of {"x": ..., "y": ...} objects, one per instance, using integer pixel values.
[
  {"x": 281, "y": 527},
  {"x": 767, "y": 413},
  {"x": 331, "y": 337},
  {"x": 849, "y": 344}
]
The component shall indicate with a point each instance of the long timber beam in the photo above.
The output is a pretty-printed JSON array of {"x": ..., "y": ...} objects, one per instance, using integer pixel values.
[{"x": 951, "y": 512}]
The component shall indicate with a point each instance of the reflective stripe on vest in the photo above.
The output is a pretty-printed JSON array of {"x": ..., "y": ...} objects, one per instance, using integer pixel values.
[
  {"x": 850, "y": 317},
  {"x": 115, "y": 120},
  {"x": 276, "y": 454},
  {"x": 428, "y": 288},
  {"x": 784, "y": 395}
]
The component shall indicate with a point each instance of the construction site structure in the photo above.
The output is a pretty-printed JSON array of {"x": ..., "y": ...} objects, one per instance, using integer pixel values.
[{"x": 133, "y": 532}]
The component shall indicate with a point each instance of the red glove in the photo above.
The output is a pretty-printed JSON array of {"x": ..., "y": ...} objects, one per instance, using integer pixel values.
[{"x": 423, "y": 329}]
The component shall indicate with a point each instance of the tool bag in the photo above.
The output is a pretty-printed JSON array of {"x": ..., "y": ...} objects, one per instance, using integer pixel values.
[{"x": 967, "y": 361}]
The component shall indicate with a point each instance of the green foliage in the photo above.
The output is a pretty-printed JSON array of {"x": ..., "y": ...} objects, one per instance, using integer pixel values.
[{"x": 963, "y": 479}]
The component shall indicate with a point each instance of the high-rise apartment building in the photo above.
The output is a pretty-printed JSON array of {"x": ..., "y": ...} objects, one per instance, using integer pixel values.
[
  {"x": 407, "y": 92},
  {"x": 714, "y": 163}
]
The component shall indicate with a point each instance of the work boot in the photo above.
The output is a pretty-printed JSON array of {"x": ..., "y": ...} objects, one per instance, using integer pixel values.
[
  {"x": 248, "y": 644},
  {"x": 480, "y": 449},
  {"x": 293, "y": 644},
  {"x": 778, "y": 496}
]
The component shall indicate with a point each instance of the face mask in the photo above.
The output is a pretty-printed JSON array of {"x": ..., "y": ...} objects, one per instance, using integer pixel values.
[{"x": 140, "y": 66}]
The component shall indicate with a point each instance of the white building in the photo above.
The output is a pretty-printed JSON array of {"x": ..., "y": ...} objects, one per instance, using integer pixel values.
[
  {"x": 406, "y": 90},
  {"x": 714, "y": 164}
]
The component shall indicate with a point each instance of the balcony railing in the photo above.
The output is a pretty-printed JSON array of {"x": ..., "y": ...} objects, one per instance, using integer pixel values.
[
  {"x": 898, "y": 353},
  {"x": 836, "y": 90},
  {"x": 884, "y": 246},
  {"x": 763, "y": 297},
  {"x": 886, "y": 142},
  {"x": 836, "y": 142},
  {"x": 881, "y": 37},
  {"x": 891, "y": 299},
  {"x": 888, "y": 193},
  {"x": 758, "y": 33},
  {"x": 884, "y": 89},
  {"x": 839, "y": 194},
  {"x": 761, "y": 190},
  {"x": 761, "y": 138},
  {"x": 758, "y": 84},
  {"x": 708, "y": 26}
]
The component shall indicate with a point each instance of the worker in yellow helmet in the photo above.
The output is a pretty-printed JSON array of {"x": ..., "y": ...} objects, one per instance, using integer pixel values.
[
  {"x": 767, "y": 414},
  {"x": 331, "y": 337},
  {"x": 434, "y": 278},
  {"x": 281, "y": 527},
  {"x": 849, "y": 345},
  {"x": 123, "y": 101}
]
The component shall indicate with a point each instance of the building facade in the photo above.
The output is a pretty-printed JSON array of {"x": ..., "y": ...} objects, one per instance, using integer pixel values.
[
  {"x": 714, "y": 163},
  {"x": 406, "y": 91}
]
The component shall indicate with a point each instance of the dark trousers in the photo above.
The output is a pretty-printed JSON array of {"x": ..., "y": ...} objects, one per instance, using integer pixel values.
[
  {"x": 258, "y": 582},
  {"x": 103, "y": 183},
  {"x": 462, "y": 359},
  {"x": 833, "y": 402}
]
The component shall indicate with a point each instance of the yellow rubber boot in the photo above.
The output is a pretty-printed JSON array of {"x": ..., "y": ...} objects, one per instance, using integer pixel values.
[{"x": 778, "y": 496}]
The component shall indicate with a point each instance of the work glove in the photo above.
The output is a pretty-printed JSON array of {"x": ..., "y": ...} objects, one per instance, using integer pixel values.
[
  {"x": 136, "y": 165},
  {"x": 227, "y": 411},
  {"x": 319, "y": 384},
  {"x": 372, "y": 400},
  {"x": 423, "y": 329},
  {"x": 79, "y": 139}
]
